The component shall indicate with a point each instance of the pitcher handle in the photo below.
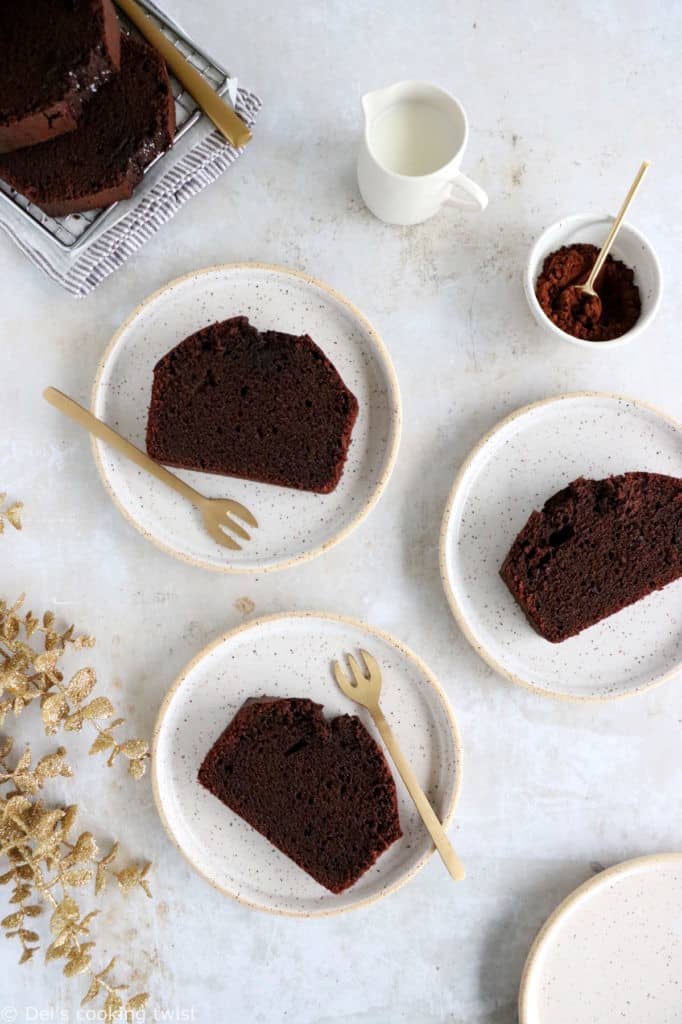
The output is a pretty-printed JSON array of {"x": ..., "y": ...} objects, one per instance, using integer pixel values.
[{"x": 460, "y": 183}]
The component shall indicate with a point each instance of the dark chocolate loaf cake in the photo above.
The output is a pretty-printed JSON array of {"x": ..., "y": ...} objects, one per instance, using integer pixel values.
[
  {"x": 596, "y": 547},
  {"x": 320, "y": 791},
  {"x": 264, "y": 406},
  {"x": 54, "y": 55},
  {"x": 126, "y": 124}
]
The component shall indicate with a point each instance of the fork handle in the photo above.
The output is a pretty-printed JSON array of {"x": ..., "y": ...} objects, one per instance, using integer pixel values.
[
  {"x": 428, "y": 815},
  {"x": 85, "y": 419},
  {"x": 220, "y": 112}
]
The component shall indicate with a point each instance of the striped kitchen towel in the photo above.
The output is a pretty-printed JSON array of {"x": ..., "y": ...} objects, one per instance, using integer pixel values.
[{"x": 200, "y": 158}]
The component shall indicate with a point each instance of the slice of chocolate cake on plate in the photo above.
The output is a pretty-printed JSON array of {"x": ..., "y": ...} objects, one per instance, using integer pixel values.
[
  {"x": 596, "y": 547},
  {"x": 319, "y": 790},
  {"x": 54, "y": 56},
  {"x": 128, "y": 122},
  {"x": 265, "y": 406}
]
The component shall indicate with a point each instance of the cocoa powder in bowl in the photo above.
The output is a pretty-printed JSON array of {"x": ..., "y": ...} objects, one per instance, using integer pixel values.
[{"x": 614, "y": 314}]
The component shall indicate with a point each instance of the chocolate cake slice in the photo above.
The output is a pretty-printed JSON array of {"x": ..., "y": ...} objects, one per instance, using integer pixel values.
[
  {"x": 126, "y": 124},
  {"x": 264, "y": 406},
  {"x": 596, "y": 547},
  {"x": 318, "y": 790},
  {"x": 54, "y": 55}
]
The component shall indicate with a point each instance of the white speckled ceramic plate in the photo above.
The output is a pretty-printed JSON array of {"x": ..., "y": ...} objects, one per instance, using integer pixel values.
[
  {"x": 291, "y": 656},
  {"x": 524, "y": 460},
  {"x": 294, "y": 525},
  {"x": 612, "y": 951}
]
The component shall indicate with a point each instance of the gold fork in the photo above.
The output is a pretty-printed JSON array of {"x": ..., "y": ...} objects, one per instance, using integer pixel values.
[
  {"x": 365, "y": 690},
  {"x": 217, "y": 512}
]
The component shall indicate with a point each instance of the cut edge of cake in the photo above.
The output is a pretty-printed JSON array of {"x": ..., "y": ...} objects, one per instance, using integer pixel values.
[{"x": 231, "y": 734}]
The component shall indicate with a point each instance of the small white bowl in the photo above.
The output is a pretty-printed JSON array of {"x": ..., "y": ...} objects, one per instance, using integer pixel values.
[{"x": 630, "y": 246}]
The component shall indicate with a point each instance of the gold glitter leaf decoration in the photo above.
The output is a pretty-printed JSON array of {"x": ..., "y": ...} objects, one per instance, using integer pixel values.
[
  {"x": 113, "y": 1005},
  {"x": 74, "y": 722},
  {"x": 81, "y": 685},
  {"x": 28, "y": 673},
  {"x": 12, "y": 515},
  {"x": 134, "y": 749},
  {"x": 44, "y": 864},
  {"x": 65, "y": 913},
  {"x": 137, "y": 769},
  {"x": 78, "y": 964},
  {"x": 77, "y": 876},
  {"x": 85, "y": 848},
  {"x": 100, "y": 707},
  {"x": 52, "y": 765},
  {"x": 92, "y": 992},
  {"x": 54, "y": 708},
  {"x": 102, "y": 742},
  {"x": 138, "y": 1002}
]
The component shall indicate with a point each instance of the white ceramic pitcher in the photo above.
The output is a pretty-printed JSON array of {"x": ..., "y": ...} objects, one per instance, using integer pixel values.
[{"x": 408, "y": 167}]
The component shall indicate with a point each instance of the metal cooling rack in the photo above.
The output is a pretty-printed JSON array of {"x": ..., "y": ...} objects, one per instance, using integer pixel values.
[{"x": 72, "y": 231}]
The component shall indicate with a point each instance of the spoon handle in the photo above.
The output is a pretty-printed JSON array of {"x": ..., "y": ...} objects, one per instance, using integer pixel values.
[
  {"x": 615, "y": 227},
  {"x": 220, "y": 112},
  {"x": 428, "y": 815},
  {"x": 105, "y": 433}
]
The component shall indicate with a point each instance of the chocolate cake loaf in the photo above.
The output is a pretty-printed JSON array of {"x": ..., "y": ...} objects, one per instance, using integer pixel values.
[
  {"x": 596, "y": 547},
  {"x": 264, "y": 406},
  {"x": 318, "y": 790},
  {"x": 126, "y": 124},
  {"x": 54, "y": 55}
]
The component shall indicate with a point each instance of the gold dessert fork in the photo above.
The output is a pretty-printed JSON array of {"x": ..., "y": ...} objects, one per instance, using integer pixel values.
[
  {"x": 217, "y": 512},
  {"x": 365, "y": 690}
]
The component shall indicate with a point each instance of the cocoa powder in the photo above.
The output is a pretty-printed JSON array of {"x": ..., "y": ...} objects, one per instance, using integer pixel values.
[{"x": 612, "y": 315}]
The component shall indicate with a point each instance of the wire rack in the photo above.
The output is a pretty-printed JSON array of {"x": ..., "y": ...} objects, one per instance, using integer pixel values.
[{"x": 74, "y": 230}]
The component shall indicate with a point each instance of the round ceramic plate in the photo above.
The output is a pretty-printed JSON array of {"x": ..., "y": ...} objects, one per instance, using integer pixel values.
[
  {"x": 612, "y": 951},
  {"x": 524, "y": 460},
  {"x": 294, "y": 525},
  {"x": 291, "y": 656}
]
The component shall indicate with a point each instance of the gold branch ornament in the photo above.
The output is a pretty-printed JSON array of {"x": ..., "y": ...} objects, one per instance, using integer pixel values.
[
  {"x": 28, "y": 673},
  {"x": 46, "y": 859},
  {"x": 11, "y": 515}
]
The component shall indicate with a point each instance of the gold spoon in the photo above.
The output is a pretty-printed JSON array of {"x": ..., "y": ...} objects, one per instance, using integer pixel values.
[
  {"x": 220, "y": 112},
  {"x": 587, "y": 289}
]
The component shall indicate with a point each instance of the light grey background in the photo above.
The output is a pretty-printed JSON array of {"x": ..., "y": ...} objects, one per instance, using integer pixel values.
[{"x": 564, "y": 101}]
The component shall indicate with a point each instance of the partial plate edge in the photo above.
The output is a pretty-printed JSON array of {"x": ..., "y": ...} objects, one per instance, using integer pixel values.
[{"x": 604, "y": 877}]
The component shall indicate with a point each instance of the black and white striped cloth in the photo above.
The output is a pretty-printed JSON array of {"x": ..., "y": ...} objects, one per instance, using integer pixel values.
[{"x": 203, "y": 155}]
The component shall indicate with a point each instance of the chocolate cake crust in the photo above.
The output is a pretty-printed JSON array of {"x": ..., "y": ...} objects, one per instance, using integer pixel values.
[
  {"x": 596, "y": 547},
  {"x": 267, "y": 406},
  {"x": 55, "y": 55},
  {"x": 320, "y": 791},
  {"x": 126, "y": 124}
]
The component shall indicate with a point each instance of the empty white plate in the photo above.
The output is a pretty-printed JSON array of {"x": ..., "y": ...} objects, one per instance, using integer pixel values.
[
  {"x": 291, "y": 656},
  {"x": 612, "y": 951},
  {"x": 524, "y": 460},
  {"x": 294, "y": 525}
]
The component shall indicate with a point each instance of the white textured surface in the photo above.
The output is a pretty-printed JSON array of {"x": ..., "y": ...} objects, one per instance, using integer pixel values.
[{"x": 549, "y": 789}]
